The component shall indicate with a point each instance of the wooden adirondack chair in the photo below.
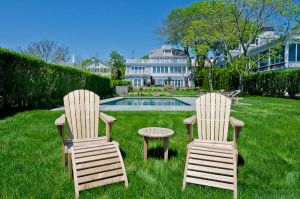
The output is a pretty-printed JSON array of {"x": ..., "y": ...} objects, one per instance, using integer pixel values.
[
  {"x": 94, "y": 160},
  {"x": 212, "y": 159},
  {"x": 82, "y": 112}
]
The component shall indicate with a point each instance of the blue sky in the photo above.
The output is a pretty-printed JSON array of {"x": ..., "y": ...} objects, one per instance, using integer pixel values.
[{"x": 87, "y": 27}]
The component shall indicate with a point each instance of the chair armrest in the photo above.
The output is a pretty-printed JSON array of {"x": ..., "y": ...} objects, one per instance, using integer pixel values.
[
  {"x": 237, "y": 126},
  {"x": 236, "y": 123},
  {"x": 107, "y": 118},
  {"x": 189, "y": 125},
  {"x": 61, "y": 120},
  {"x": 190, "y": 120}
]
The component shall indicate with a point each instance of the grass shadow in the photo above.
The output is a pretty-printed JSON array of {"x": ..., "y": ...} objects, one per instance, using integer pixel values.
[
  {"x": 158, "y": 153},
  {"x": 241, "y": 160}
]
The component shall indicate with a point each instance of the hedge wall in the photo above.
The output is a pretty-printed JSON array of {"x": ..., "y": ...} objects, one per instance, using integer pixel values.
[
  {"x": 274, "y": 83},
  {"x": 222, "y": 79},
  {"x": 27, "y": 82}
]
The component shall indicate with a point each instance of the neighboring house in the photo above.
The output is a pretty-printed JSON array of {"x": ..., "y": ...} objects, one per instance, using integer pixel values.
[
  {"x": 284, "y": 58},
  {"x": 165, "y": 66},
  {"x": 98, "y": 67}
]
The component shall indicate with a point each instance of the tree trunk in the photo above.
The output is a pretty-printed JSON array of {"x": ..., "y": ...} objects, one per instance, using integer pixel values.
[
  {"x": 210, "y": 79},
  {"x": 241, "y": 82}
]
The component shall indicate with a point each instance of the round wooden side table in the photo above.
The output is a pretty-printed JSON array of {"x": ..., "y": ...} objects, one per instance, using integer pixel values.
[{"x": 156, "y": 133}]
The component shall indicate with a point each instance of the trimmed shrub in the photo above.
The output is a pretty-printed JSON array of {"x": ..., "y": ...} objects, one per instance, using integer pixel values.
[
  {"x": 121, "y": 83},
  {"x": 273, "y": 83},
  {"x": 27, "y": 82}
]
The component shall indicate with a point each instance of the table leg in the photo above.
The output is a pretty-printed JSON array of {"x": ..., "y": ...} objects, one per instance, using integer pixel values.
[
  {"x": 166, "y": 150},
  {"x": 145, "y": 148}
]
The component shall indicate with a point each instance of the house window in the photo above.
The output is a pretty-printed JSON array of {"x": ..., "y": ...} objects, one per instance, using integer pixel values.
[
  {"x": 175, "y": 69},
  {"x": 166, "y": 67},
  {"x": 172, "y": 69},
  {"x": 183, "y": 69},
  {"x": 154, "y": 69},
  {"x": 264, "y": 58},
  {"x": 292, "y": 52},
  {"x": 162, "y": 69},
  {"x": 135, "y": 82},
  {"x": 158, "y": 69}
]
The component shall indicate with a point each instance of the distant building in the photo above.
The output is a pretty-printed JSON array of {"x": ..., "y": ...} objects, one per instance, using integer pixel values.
[
  {"x": 287, "y": 57},
  {"x": 98, "y": 67},
  {"x": 165, "y": 66}
]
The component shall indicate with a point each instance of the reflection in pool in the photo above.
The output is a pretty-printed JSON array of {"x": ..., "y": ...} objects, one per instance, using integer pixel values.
[{"x": 147, "y": 102}]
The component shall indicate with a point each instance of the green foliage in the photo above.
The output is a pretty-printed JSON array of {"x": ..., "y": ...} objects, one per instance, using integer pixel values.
[
  {"x": 117, "y": 63},
  {"x": 145, "y": 57},
  {"x": 268, "y": 146},
  {"x": 274, "y": 83},
  {"x": 222, "y": 78},
  {"x": 85, "y": 62},
  {"x": 121, "y": 83},
  {"x": 27, "y": 82}
]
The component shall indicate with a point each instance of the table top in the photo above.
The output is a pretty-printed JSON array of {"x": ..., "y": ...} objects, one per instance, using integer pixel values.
[{"x": 155, "y": 132}]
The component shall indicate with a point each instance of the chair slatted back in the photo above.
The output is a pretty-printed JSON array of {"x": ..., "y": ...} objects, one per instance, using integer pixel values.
[
  {"x": 82, "y": 113},
  {"x": 213, "y": 111}
]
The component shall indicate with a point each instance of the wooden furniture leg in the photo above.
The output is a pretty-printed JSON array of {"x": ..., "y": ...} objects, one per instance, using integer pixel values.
[
  {"x": 70, "y": 165},
  {"x": 166, "y": 150},
  {"x": 145, "y": 148}
]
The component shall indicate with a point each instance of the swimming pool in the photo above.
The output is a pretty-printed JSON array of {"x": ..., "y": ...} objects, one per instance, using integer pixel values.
[{"x": 147, "y": 102}]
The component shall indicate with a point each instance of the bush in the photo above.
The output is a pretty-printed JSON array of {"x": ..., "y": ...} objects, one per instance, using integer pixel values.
[
  {"x": 27, "y": 82},
  {"x": 121, "y": 83},
  {"x": 274, "y": 83}
]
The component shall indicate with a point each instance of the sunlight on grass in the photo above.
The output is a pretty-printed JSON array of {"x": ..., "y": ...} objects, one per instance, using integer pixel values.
[{"x": 269, "y": 161}]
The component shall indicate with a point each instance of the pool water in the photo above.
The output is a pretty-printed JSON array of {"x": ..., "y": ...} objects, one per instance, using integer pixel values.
[{"x": 147, "y": 102}]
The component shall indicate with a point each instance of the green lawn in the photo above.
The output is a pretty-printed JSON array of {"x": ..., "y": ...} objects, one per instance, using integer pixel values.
[{"x": 269, "y": 148}]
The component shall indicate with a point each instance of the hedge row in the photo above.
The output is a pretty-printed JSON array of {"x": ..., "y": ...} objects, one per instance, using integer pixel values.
[
  {"x": 222, "y": 79},
  {"x": 27, "y": 82},
  {"x": 274, "y": 83}
]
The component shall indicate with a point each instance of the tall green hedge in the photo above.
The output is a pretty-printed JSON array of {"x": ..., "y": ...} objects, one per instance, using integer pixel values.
[
  {"x": 222, "y": 78},
  {"x": 274, "y": 83},
  {"x": 27, "y": 82}
]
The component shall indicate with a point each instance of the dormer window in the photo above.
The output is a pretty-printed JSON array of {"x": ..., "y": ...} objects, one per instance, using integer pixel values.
[{"x": 167, "y": 52}]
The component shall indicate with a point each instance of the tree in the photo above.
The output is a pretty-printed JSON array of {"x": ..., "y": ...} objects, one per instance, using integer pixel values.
[
  {"x": 61, "y": 54},
  {"x": 145, "y": 57},
  {"x": 175, "y": 28},
  {"x": 117, "y": 61},
  {"x": 210, "y": 35},
  {"x": 251, "y": 16},
  {"x": 47, "y": 50}
]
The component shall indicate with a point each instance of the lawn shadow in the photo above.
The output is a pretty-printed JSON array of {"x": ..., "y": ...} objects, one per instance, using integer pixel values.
[
  {"x": 158, "y": 153},
  {"x": 123, "y": 153},
  {"x": 241, "y": 161}
]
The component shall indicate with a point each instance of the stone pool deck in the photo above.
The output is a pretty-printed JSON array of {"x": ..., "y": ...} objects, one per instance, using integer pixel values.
[{"x": 188, "y": 100}]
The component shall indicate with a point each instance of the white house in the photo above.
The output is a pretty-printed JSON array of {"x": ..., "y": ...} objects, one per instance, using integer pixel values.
[
  {"x": 269, "y": 57},
  {"x": 98, "y": 67},
  {"x": 165, "y": 66}
]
